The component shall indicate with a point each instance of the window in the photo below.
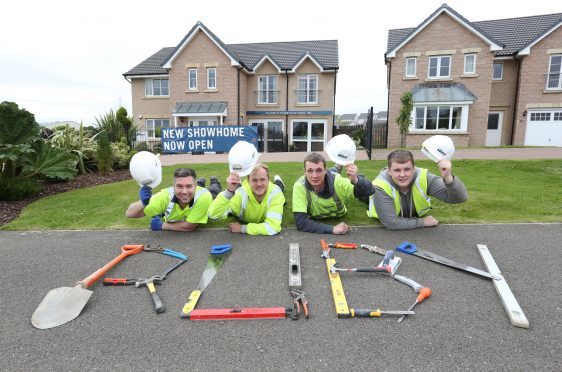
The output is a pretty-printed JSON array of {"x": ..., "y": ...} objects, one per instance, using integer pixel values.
[
  {"x": 498, "y": 71},
  {"x": 554, "y": 80},
  {"x": 469, "y": 64},
  {"x": 410, "y": 67},
  {"x": 438, "y": 117},
  {"x": 267, "y": 89},
  {"x": 154, "y": 127},
  {"x": 156, "y": 87},
  {"x": 558, "y": 116},
  {"x": 308, "y": 89},
  {"x": 439, "y": 67},
  {"x": 211, "y": 78},
  {"x": 540, "y": 116},
  {"x": 192, "y": 78}
]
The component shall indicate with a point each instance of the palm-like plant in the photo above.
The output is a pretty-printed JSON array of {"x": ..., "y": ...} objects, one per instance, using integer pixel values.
[{"x": 77, "y": 142}]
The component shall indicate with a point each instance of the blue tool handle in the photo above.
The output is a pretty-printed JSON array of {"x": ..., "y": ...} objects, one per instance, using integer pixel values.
[
  {"x": 407, "y": 247},
  {"x": 175, "y": 254},
  {"x": 220, "y": 249}
]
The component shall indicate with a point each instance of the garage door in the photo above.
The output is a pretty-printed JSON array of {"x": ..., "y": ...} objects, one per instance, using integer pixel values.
[{"x": 544, "y": 128}]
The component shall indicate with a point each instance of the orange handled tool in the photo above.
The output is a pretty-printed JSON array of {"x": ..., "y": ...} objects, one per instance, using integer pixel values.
[
  {"x": 343, "y": 245},
  {"x": 425, "y": 292},
  {"x": 126, "y": 250}
]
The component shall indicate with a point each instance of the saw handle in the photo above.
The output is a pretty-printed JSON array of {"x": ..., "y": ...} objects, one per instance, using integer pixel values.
[
  {"x": 191, "y": 303},
  {"x": 407, "y": 247},
  {"x": 126, "y": 250}
]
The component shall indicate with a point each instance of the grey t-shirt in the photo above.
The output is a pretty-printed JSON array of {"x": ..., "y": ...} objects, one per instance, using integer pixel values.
[{"x": 408, "y": 218}]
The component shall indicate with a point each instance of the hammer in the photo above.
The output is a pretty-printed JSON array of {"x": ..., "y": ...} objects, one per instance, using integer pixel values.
[{"x": 149, "y": 283}]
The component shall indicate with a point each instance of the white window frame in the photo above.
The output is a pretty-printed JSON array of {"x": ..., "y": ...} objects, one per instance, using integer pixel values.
[
  {"x": 310, "y": 95},
  {"x": 189, "y": 79},
  {"x": 439, "y": 62},
  {"x": 494, "y": 71},
  {"x": 149, "y": 87},
  {"x": 408, "y": 60},
  {"x": 559, "y": 86},
  {"x": 450, "y": 105},
  {"x": 466, "y": 56},
  {"x": 211, "y": 80},
  {"x": 151, "y": 127},
  {"x": 309, "y": 140},
  {"x": 270, "y": 92}
]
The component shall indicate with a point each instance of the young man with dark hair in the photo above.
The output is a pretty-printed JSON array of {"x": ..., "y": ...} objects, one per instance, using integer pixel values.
[
  {"x": 321, "y": 193},
  {"x": 182, "y": 207},
  {"x": 402, "y": 192}
]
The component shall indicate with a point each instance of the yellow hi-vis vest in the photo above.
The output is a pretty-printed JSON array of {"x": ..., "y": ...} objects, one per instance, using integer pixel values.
[
  {"x": 422, "y": 202},
  {"x": 308, "y": 202}
]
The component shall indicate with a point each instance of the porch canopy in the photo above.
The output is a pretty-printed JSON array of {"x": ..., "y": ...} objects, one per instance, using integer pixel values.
[
  {"x": 201, "y": 109},
  {"x": 442, "y": 92}
]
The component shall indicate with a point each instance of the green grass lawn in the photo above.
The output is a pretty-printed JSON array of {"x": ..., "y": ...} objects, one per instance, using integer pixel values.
[{"x": 499, "y": 191}]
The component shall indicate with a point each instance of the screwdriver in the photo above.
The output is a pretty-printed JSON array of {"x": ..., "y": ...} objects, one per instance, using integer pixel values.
[{"x": 425, "y": 292}]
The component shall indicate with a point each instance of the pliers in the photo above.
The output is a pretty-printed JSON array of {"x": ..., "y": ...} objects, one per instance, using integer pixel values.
[
  {"x": 299, "y": 300},
  {"x": 166, "y": 251}
]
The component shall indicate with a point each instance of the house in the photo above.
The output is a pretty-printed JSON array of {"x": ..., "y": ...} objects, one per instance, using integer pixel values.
[
  {"x": 485, "y": 83},
  {"x": 348, "y": 119},
  {"x": 286, "y": 89}
]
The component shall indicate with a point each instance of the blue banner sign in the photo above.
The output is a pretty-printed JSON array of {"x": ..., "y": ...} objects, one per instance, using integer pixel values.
[{"x": 206, "y": 139}]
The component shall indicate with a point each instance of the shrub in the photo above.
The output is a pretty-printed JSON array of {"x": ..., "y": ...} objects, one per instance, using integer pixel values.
[
  {"x": 358, "y": 136},
  {"x": 104, "y": 156},
  {"x": 121, "y": 155},
  {"x": 12, "y": 188}
]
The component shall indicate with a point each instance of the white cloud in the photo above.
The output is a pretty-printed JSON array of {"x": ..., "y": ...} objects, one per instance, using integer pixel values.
[{"x": 63, "y": 60}]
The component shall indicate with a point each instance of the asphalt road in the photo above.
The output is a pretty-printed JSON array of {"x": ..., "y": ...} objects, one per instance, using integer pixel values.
[{"x": 463, "y": 326}]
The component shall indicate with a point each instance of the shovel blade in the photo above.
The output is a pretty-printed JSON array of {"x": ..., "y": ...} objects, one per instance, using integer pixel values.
[{"x": 60, "y": 306}]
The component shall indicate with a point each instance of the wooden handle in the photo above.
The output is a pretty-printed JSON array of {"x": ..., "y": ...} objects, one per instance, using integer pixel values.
[{"x": 126, "y": 250}]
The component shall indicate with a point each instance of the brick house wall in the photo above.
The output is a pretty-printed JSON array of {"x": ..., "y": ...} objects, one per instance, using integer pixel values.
[
  {"x": 443, "y": 36},
  {"x": 532, "y": 92},
  {"x": 201, "y": 53},
  {"x": 503, "y": 96},
  {"x": 148, "y": 107}
]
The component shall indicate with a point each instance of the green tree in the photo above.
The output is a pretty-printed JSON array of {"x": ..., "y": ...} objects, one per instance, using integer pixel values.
[
  {"x": 404, "y": 119},
  {"x": 126, "y": 123},
  {"x": 104, "y": 154}
]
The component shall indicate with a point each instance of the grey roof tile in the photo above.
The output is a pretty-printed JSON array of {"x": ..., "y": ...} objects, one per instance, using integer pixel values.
[
  {"x": 442, "y": 92},
  {"x": 285, "y": 54},
  {"x": 514, "y": 33},
  {"x": 211, "y": 107},
  {"x": 152, "y": 65},
  {"x": 348, "y": 116}
]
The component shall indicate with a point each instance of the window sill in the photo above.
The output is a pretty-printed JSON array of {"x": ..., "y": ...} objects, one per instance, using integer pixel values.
[
  {"x": 211, "y": 90},
  {"x": 438, "y": 79},
  {"x": 156, "y": 97},
  {"x": 433, "y": 131},
  {"x": 308, "y": 104},
  {"x": 469, "y": 75},
  {"x": 276, "y": 104},
  {"x": 550, "y": 91},
  {"x": 410, "y": 78},
  {"x": 192, "y": 91}
]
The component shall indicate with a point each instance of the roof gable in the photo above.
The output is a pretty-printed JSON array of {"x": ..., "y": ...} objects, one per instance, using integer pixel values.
[
  {"x": 407, "y": 36},
  {"x": 271, "y": 60},
  {"x": 200, "y": 27},
  {"x": 304, "y": 58}
]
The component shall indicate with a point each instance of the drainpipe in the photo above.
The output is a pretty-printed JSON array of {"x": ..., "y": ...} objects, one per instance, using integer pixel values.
[
  {"x": 388, "y": 100},
  {"x": 334, "y": 112},
  {"x": 287, "y": 109},
  {"x": 514, "y": 115},
  {"x": 238, "y": 96}
]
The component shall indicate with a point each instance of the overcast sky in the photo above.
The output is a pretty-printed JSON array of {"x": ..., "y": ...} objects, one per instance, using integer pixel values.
[{"x": 64, "y": 60}]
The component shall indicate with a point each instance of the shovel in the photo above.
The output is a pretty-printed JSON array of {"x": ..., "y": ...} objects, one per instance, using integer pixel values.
[{"x": 61, "y": 305}]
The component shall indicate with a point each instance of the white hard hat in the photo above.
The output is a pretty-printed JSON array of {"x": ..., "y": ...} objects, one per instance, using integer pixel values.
[
  {"x": 341, "y": 149},
  {"x": 146, "y": 169},
  {"x": 242, "y": 157},
  {"x": 438, "y": 147}
]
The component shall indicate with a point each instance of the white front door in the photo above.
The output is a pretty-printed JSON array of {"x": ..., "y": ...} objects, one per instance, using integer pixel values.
[
  {"x": 308, "y": 135},
  {"x": 494, "y": 131}
]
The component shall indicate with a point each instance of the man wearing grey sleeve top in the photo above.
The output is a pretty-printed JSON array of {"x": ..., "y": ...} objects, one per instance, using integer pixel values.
[{"x": 402, "y": 192}]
